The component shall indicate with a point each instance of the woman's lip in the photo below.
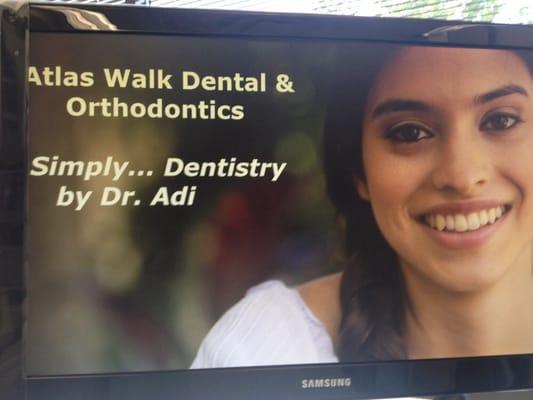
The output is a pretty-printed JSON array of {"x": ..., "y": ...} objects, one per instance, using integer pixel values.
[
  {"x": 462, "y": 207},
  {"x": 464, "y": 240}
]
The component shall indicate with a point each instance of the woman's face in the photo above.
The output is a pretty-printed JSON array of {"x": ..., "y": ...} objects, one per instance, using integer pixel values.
[{"x": 448, "y": 161}]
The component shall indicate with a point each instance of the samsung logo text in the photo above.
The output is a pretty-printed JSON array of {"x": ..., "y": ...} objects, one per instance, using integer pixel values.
[{"x": 326, "y": 383}]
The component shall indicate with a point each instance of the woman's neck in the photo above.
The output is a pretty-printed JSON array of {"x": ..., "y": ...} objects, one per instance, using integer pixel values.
[{"x": 495, "y": 320}]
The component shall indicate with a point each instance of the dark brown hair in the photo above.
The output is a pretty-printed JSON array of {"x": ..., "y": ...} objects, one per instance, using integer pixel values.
[
  {"x": 373, "y": 302},
  {"x": 371, "y": 288}
]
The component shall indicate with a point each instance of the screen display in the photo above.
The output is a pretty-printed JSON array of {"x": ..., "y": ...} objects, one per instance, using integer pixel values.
[{"x": 211, "y": 202}]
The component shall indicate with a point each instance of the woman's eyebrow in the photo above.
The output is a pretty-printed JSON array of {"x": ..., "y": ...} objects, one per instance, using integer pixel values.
[
  {"x": 500, "y": 92},
  {"x": 398, "y": 105}
]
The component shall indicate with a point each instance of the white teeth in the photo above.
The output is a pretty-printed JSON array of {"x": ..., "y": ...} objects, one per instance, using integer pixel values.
[
  {"x": 450, "y": 222},
  {"x": 473, "y": 221},
  {"x": 492, "y": 215},
  {"x": 461, "y": 225},
  {"x": 440, "y": 222},
  {"x": 464, "y": 222},
  {"x": 483, "y": 217}
]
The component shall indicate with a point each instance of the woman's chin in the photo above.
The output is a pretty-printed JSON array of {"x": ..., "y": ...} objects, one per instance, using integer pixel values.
[
  {"x": 470, "y": 284},
  {"x": 463, "y": 277}
]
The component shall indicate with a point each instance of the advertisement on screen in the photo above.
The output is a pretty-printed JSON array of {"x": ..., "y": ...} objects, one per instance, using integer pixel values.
[{"x": 217, "y": 202}]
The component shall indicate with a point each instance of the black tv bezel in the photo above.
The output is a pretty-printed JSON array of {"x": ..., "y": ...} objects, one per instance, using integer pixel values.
[{"x": 369, "y": 380}]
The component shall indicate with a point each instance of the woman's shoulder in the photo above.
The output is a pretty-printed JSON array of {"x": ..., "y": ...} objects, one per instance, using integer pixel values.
[
  {"x": 271, "y": 325},
  {"x": 322, "y": 297}
]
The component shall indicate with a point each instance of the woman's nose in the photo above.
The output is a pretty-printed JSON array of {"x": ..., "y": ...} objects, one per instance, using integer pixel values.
[{"x": 463, "y": 165}]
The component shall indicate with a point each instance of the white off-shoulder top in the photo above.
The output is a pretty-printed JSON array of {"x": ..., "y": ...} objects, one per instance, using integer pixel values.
[{"x": 271, "y": 325}]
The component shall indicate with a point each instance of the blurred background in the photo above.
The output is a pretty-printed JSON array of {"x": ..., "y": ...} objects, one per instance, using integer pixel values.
[{"x": 114, "y": 289}]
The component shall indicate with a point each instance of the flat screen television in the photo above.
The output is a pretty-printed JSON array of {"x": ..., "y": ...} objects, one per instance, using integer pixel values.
[{"x": 226, "y": 205}]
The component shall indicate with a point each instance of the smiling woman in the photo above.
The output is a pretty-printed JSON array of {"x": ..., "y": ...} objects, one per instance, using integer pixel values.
[
  {"x": 443, "y": 266},
  {"x": 427, "y": 161}
]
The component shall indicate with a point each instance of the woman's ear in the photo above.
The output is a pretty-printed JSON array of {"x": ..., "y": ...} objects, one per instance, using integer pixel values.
[{"x": 361, "y": 187}]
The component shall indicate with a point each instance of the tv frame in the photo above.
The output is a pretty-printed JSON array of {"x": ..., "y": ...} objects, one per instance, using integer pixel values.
[{"x": 368, "y": 380}]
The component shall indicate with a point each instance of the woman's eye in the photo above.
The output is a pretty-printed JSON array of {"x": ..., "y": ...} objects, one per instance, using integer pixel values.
[
  {"x": 407, "y": 133},
  {"x": 499, "y": 122}
]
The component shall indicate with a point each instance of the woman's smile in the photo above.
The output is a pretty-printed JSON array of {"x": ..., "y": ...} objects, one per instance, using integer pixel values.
[
  {"x": 464, "y": 225},
  {"x": 460, "y": 222}
]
